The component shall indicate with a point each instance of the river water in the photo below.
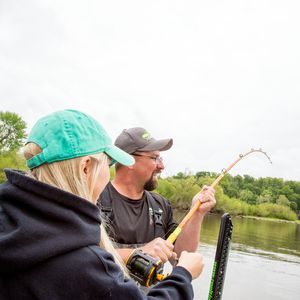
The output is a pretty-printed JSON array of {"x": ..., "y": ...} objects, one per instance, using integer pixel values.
[{"x": 263, "y": 263}]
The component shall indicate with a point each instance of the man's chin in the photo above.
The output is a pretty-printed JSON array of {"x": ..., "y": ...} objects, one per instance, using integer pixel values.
[{"x": 151, "y": 185}]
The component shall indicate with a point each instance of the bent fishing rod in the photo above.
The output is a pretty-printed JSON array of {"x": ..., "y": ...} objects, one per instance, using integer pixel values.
[
  {"x": 147, "y": 270},
  {"x": 174, "y": 235}
]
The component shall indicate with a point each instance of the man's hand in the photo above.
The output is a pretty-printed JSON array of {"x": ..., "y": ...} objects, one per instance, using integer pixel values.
[
  {"x": 207, "y": 198},
  {"x": 159, "y": 249}
]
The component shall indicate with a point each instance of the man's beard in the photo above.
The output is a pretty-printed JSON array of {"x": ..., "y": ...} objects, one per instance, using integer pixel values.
[{"x": 151, "y": 184}]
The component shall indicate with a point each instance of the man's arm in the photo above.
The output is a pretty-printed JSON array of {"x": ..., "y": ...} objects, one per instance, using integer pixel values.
[
  {"x": 190, "y": 235},
  {"x": 188, "y": 239}
]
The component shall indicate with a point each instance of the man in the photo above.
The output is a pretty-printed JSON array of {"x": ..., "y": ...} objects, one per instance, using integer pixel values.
[{"x": 139, "y": 218}]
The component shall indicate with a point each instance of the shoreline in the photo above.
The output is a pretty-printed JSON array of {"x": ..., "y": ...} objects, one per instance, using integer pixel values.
[
  {"x": 185, "y": 211},
  {"x": 269, "y": 219}
]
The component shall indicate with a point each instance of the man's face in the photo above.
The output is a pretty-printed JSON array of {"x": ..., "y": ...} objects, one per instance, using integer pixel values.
[{"x": 150, "y": 165}]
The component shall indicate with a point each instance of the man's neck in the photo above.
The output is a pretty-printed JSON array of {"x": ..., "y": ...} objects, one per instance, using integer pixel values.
[{"x": 127, "y": 189}]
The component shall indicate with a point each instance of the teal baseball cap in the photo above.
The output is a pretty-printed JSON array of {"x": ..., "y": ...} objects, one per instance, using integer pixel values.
[{"x": 70, "y": 133}]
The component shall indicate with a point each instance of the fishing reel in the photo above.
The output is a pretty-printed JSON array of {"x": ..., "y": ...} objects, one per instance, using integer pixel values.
[{"x": 145, "y": 269}]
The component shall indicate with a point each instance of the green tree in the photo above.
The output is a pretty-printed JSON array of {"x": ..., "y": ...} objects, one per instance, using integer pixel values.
[
  {"x": 287, "y": 191},
  {"x": 247, "y": 196},
  {"x": 179, "y": 191},
  {"x": 265, "y": 196},
  {"x": 12, "y": 160},
  {"x": 12, "y": 132},
  {"x": 166, "y": 188},
  {"x": 283, "y": 200},
  {"x": 293, "y": 206},
  {"x": 202, "y": 174},
  {"x": 230, "y": 187},
  {"x": 179, "y": 175}
]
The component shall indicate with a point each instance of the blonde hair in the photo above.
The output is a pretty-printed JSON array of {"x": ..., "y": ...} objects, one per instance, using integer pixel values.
[{"x": 67, "y": 175}]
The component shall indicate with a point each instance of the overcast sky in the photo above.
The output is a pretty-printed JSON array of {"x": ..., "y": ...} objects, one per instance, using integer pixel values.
[{"x": 219, "y": 77}]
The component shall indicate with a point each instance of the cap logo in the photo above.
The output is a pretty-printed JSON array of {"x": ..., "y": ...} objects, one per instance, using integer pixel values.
[{"x": 146, "y": 136}]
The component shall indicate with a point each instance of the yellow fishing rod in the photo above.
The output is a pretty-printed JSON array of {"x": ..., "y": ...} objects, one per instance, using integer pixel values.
[
  {"x": 174, "y": 235},
  {"x": 147, "y": 270}
]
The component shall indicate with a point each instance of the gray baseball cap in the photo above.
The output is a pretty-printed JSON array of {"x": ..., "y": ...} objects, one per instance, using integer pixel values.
[{"x": 139, "y": 139}]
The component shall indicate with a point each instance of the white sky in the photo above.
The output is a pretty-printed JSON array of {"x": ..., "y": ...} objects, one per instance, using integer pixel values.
[{"x": 220, "y": 77}]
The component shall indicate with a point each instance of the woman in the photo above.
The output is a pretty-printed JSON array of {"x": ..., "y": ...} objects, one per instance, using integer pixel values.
[{"x": 50, "y": 225}]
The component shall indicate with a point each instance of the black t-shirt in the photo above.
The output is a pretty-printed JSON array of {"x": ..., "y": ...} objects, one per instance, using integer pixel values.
[{"x": 134, "y": 222}]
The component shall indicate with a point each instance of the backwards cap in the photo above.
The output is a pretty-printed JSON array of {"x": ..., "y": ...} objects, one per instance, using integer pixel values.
[{"x": 68, "y": 134}]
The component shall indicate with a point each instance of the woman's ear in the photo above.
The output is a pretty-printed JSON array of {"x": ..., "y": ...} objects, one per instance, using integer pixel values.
[{"x": 86, "y": 165}]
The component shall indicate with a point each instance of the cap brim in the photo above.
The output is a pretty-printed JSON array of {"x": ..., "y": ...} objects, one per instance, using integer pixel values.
[
  {"x": 158, "y": 145},
  {"x": 120, "y": 156}
]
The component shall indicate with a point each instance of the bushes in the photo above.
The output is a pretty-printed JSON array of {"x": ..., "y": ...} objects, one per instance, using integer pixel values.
[
  {"x": 276, "y": 211},
  {"x": 180, "y": 192}
]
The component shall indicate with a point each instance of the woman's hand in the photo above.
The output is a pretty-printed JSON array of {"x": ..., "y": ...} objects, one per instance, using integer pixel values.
[{"x": 192, "y": 262}]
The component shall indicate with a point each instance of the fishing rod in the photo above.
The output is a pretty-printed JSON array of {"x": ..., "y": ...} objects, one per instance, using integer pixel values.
[
  {"x": 147, "y": 270},
  {"x": 174, "y": 235}
]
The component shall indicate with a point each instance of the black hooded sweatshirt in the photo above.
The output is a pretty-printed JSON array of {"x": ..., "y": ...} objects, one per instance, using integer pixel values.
[{"x": 49, "y": 249}]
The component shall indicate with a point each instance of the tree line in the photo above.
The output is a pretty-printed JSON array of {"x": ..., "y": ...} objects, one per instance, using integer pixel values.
[{"x": 238, "y": 195}]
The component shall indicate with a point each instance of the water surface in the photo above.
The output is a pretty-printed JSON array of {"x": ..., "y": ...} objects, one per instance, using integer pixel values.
[{"x": 264, "y": 260}]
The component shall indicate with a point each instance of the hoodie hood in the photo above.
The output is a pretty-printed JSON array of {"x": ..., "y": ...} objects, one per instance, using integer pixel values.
[{"x": 38, "y": 222}]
